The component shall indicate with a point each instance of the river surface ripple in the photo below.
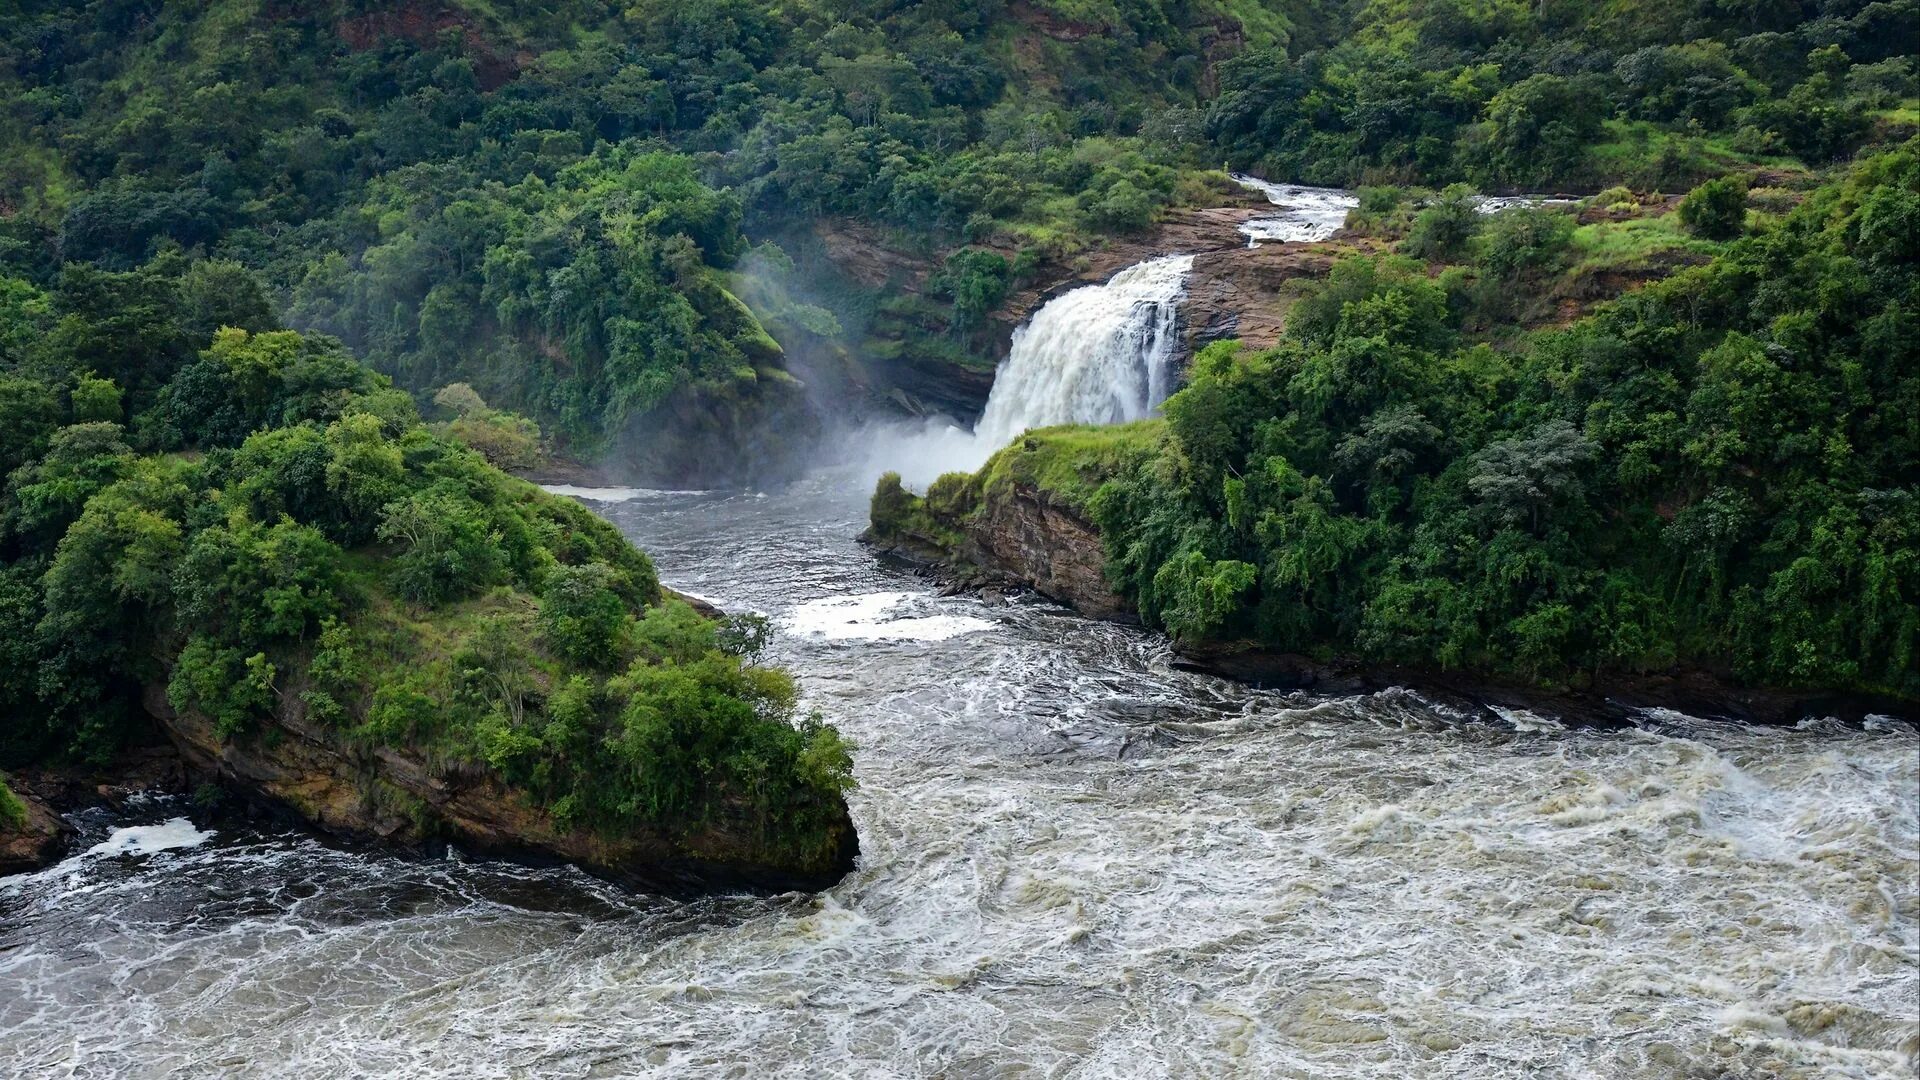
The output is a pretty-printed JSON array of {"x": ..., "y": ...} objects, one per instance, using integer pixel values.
[{"x": 1077, "y": 861}]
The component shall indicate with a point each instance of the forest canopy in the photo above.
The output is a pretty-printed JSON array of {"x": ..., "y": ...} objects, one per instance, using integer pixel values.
[{"x": 1719, "y": 472}]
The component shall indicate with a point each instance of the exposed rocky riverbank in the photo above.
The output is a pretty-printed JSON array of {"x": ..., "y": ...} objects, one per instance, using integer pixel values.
[
  {"x": 1021, "y": 537},
  {"x": 404, "y": 797}
]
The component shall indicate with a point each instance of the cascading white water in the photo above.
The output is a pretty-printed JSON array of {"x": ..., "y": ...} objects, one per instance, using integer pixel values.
[
  {"x": 1101, "y": 354},
  {"x": 1307, "y": 214}
]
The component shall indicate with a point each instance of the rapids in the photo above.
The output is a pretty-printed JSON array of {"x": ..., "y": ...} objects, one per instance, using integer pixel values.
[{"x": 1076, "y": 861}]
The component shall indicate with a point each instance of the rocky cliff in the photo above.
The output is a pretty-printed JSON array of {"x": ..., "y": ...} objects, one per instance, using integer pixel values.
[
  {"x": 404, "y": 797},
  {"x": 1019, "y": 537},
  {"x": 35, "y": 841},
  {"x": 1233, "y": 292}
]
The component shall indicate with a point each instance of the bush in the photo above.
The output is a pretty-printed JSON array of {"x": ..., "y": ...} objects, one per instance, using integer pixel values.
[
  {"x": 975, "y": 280},
  {"x": 1525, "y": 239},
  {"x": 581, "y": 616},
  {"x": 891, "y": 506},
  {"x": 953, "y": 496},
  {"x": 1614, "y": 198},
  {"x": 1442, "y": 231},
  {"x": 448, "y": 549},
  {"x": 1717, "y": 209}
]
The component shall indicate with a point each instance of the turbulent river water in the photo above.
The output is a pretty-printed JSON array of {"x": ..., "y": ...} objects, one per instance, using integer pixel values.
[{"x": 1076, "y": 861}]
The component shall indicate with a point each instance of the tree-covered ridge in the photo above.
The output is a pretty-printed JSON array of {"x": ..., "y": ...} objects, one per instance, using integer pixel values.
[
  {"x": 540, "y": 201},
  {"x": 551, "y": 202},
  {"x": 1720, "y": 471},
  {"x": 1507, "y": 94},
  {"x": 260, "y": 528}
]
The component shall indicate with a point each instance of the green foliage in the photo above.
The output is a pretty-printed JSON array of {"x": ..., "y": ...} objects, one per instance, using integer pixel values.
[
  {"x": 582, "y": 618},
  {"x": 890, "y": 506},
  {"x": 1525, "y": 240},
  {"x": 1557, "y": 97},
  {"x": 229, "y": 686},
  {"x": 446, "y": 549},
  {"x": 1718, "y": 471},
  {"x": 13, "y": 811},
  {"x": 96, "y": 401},
  {"x": 1444, "y": 228},
  {"x": 320, "y": 552},
  {"x": 1717, "y": 209},
  {"x": 976, "y": 281}
]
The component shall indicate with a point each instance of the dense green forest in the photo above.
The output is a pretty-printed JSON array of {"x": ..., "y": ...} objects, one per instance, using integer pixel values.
[
  {"x": 562, "y": 205},
  {"x": 1571, "y": 95},
  {"x": 253, "y": 525},
  {"x": 1719, "y": 471},
  {"x": 219, "y": 220}
]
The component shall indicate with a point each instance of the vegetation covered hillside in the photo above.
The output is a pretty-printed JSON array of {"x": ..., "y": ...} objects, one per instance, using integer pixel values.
[
  {"x": 1572, "y": 95},
  {"x": 234, "y": 528},
  {"x": 546, "y": 202},
  {"x": 1719, "y": 472},
  {"x": 558, "y": 203}
]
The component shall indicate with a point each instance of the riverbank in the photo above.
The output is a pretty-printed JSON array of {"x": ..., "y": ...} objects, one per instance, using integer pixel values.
[{"x": 1021, "y": 537}]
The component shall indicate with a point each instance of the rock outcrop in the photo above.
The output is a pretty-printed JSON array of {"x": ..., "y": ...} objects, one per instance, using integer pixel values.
[
  {"x": 1021, "y": 538},
  {"x": 403, "y": 797},
  {"x": 1028, "y": 539},
  {"x": 39, "y": 840}
]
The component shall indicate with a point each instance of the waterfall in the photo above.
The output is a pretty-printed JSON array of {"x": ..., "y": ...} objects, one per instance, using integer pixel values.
[{"x": 1101, "y": 354}]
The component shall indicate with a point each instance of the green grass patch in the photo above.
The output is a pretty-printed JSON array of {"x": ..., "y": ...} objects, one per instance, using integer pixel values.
[
  {"x": 1635, "y": 244},
  {"x": 1070, "y": 463},
  {"x": 13, "y": 812}
]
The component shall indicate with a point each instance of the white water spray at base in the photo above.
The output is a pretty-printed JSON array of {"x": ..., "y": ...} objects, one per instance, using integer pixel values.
[{"x": 1100, "y": 354}]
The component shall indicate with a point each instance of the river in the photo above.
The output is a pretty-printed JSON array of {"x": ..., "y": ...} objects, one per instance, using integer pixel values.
[{"x": 1077, "y": 861}]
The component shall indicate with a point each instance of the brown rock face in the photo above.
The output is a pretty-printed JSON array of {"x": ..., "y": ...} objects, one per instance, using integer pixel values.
[
  {"x": 401, "y": 797},
  {"x": 1021, "y": 538},
  {"x": 1047, "y": 547},
  {"x": 38, "y": 842}
]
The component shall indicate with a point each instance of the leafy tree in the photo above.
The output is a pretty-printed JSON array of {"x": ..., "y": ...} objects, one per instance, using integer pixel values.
[
  {"x": 581, "y": 617},
  {"x": 1716, "y": 209}
]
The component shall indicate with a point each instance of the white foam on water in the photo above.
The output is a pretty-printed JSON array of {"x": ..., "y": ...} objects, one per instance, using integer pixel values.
[
  {"x": 1312, "y": 214},
  {"x": 1307, "y": 214},
  {"x": 612, "y": 494},
  {"x": 169, "y": 835},
  {"x": 873, "y": 617}
]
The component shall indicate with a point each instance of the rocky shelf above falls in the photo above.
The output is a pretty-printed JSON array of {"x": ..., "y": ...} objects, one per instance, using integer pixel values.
[{"x": 1233, "y": 291}]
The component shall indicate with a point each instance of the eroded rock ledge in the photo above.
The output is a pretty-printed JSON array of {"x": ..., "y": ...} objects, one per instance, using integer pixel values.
[
  {"x": 403, "y": 798},
  {"x": 1023, "y": 539}
]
